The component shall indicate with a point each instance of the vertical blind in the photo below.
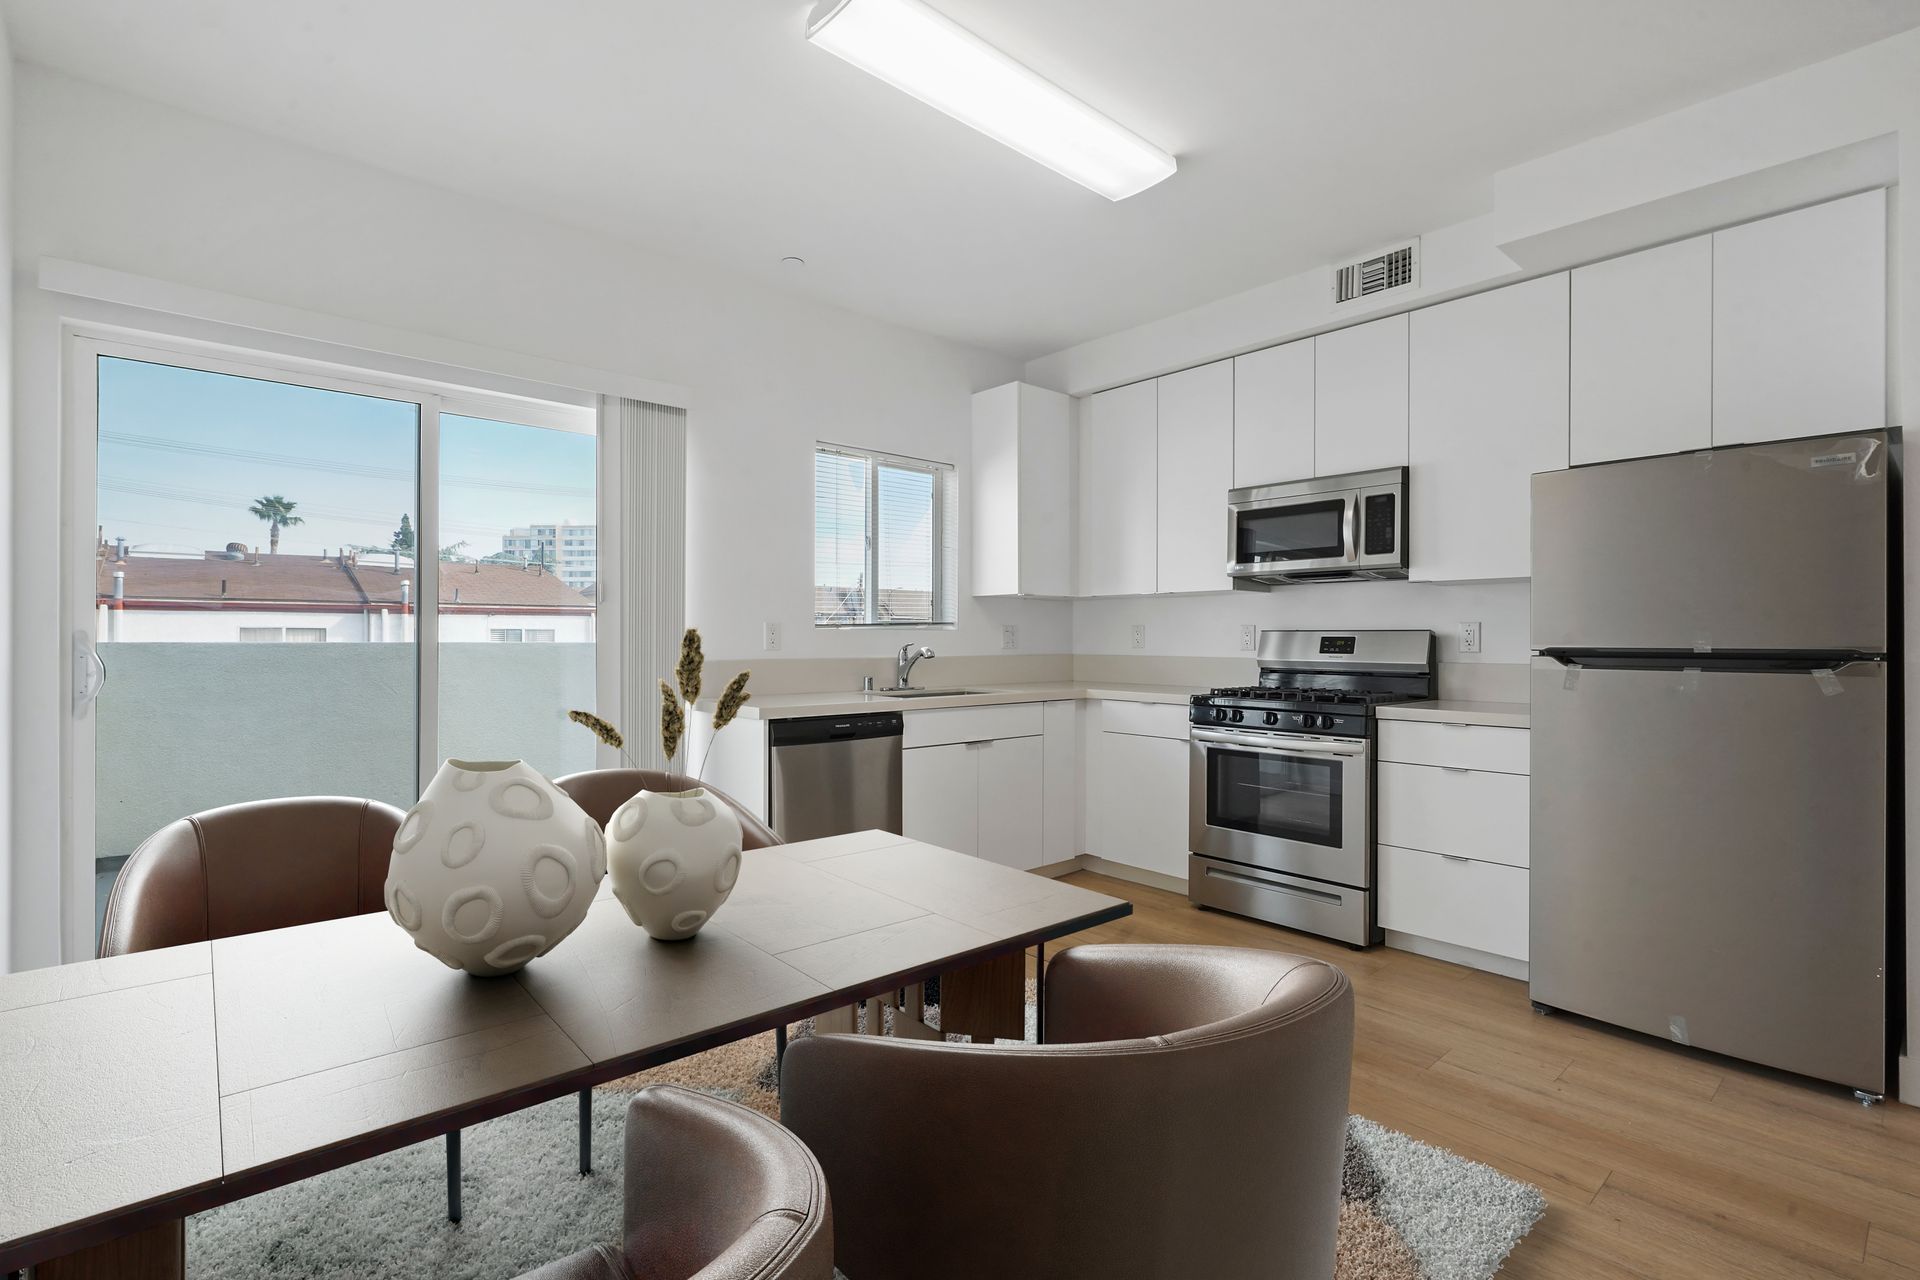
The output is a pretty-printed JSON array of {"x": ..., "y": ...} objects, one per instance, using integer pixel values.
[{"x": 882, "y": 541}]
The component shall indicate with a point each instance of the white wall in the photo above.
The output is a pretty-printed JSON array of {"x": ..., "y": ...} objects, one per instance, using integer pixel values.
[
  {"x": 1824, "y": 130},
  {"x": 7, "y": 542},
  {"x": 1208, "y": 626},
  {"x": 129, "y": 185}
]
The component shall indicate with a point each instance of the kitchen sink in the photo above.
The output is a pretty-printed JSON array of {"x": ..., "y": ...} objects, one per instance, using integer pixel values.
[{"x": 926, "y": 693}]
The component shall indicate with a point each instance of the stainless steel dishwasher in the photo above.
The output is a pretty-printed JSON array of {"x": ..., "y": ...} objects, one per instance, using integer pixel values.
[{"x": 828, "y": 775}]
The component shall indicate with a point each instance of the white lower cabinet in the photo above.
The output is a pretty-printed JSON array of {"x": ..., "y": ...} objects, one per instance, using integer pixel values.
[
  {"x": 1012, "y": 821},
  {"x": 1446, "y": 809},
  {"x": 1137, "y": 802},
  {"x": 940, "y": 796},
  {"x": 1453, "y": 837},
  {"x": 1478, "y": 905},
  {"x": 985, "y": 798}
]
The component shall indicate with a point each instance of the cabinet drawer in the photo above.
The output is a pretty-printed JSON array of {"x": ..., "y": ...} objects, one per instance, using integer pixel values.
[
  {"x": 1467, "y": 813},
  {"x": 1459, "y": 746},
  {"x": 1149, "y": 719},
  {"x": 971, "y": 724},
  {"x": 1470, "y": 904}
]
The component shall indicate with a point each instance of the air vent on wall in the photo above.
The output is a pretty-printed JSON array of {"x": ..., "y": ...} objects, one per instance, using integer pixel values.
[{"x": 1395, "y": 268}]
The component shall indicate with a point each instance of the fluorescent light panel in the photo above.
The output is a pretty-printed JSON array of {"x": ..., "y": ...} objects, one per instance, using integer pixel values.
[{"x": 926, "y": 54}]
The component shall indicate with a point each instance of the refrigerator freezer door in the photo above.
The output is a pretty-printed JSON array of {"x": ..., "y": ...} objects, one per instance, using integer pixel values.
[
  {"x": 1772, "y": 546},
  {"x": 1710, "y": 860}
]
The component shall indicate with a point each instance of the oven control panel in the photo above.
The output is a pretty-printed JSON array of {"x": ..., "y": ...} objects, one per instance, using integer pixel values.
[{"x": 1279, "y": 720}]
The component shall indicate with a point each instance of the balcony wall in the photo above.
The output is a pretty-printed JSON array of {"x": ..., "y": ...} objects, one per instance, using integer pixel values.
[{"x": 184, "y": 727}]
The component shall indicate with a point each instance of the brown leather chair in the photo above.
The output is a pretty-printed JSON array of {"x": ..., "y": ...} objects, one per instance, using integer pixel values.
[
  {"x": 267, "y": 864},
  {"x": 601, "y": 791},
  {"x": 713, "y": 1192},
  {"x": 1185, "y": 1117}
]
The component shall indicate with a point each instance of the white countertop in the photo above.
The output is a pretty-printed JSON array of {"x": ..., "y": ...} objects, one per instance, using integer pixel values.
[
  {"x": 785, "y": 706},
  {"x": 1505, "y": 715}
]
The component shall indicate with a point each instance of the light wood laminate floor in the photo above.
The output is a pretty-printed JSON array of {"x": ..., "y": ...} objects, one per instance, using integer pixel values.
[{"x": 1657, "y": 1162}]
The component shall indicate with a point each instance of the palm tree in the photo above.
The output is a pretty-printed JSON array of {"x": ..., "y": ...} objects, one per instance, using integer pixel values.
[{"x": 278, "y": 513}]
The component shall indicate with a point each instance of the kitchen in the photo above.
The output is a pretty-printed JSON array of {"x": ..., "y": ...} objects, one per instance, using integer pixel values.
[{"x": 1384, "y": 473}]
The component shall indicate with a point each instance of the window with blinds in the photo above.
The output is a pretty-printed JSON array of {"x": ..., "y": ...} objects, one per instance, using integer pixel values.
[{"x": 883, "y": 539}]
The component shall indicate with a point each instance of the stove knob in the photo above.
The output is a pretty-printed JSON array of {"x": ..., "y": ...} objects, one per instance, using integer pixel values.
[
  {"x": 1238, "y": 715},
  {"x": 1219, "y": 713},
  {"x": 1273, "y": 718},
  {"x": 1319, "y": 722}
]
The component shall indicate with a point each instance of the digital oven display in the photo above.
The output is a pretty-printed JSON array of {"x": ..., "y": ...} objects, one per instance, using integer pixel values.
[{"x": 1336, "y": 644}]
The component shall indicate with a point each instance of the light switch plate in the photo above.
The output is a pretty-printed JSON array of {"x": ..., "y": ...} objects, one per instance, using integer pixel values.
[
  {"x": 1469, "y": 637},
  {"x": 1249, "y": 636},
  {"x": 770, "y": 637},
  {"x": 1009, "y": 637},
  {"x": 1139, "y": 635}
]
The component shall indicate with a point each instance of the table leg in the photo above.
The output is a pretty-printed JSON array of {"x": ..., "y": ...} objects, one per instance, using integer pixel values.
[
  {"x": 1040, "y": 992},
  {"x": 453, "y": 1176},
  {"x": 586, "y": 1132},
  {"x": 158, "y": 1253}
]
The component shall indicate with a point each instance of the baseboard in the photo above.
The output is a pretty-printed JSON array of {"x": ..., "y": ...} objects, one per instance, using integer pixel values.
[
  {"x": 1054, "y": 870},
  {"x": 1137, "y": 875},
  {"x": 1907, "y": 1080},
  {"x": 1505, "y": 966}
]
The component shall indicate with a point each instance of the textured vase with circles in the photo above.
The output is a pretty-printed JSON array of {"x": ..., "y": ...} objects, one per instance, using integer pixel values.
[
  {"x": 494, "y": 866},
  {"x": 674, "y": 857}
]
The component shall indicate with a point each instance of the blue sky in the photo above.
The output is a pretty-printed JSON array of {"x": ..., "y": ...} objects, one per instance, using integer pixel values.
[{"x": 184, "y": 453}]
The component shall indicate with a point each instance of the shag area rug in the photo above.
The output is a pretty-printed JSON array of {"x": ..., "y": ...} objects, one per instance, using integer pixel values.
[{"x": 1408, "y": 1211}]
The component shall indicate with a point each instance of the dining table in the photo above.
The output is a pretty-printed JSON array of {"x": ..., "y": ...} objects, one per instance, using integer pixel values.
[{"x": 140, "y": 1089}]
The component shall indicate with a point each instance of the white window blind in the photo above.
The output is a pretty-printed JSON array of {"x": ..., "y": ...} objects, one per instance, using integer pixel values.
[{"x": 883, "y": 539}]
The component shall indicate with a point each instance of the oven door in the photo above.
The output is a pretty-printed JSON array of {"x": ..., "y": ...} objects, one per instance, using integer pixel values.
[
  {"x": 1316, "y": 532},
  {"x": 1298, "y": 805}
]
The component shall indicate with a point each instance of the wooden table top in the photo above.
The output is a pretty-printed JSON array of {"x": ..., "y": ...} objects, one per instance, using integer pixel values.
[{"x": 152, "y": 1085}]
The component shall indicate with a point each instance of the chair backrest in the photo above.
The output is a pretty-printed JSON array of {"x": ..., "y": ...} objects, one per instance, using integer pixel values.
[
  {"x": 601, "y": 791},
  {"x": 1196, "y": 1122},
  {"x": 266, "y": 864},
  {"x": 717, "y": 1192}
]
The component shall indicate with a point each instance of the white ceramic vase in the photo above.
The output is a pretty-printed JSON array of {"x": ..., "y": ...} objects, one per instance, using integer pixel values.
[
  {"x": 674, "y": 857},
  {"x": 493, "y": 867}
]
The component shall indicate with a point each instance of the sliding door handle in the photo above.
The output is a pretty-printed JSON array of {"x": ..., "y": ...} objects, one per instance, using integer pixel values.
[{"x": 89, "y": 672}]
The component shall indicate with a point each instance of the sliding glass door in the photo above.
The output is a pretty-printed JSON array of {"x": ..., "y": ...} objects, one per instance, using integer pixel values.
[{"x": 294, "y": 583}]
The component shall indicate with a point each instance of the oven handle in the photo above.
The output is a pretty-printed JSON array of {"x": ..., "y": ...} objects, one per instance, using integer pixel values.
[{"x": 1323, "y": 748}]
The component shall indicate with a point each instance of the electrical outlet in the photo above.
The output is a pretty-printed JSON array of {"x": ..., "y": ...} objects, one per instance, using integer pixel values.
[
  {"x": 1469, "y": 637},
  {"x": 1009, "y": 637},
  {"x": 770, "y": 637},
  {"x": 1249, "y": 636},
  {"x": 1139, "y": 635}
]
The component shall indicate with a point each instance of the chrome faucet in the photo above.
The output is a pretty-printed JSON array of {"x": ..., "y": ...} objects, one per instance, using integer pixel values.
[{"x": 903, "y": 665}]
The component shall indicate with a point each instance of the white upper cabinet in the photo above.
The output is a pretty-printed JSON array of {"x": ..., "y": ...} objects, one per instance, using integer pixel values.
[
  {"x": 1273, "y": 415},
  {"x": 1022, "y": 486},
  {"x": 1488, "y": 408},
  {"x": 1119, "y": 556},
  {"x": 1799, "y": 323},
  {"x": 1360, "y": 397},
  {"x": 1196, "y": 469},
  {"x": 1643, "y": 354}
]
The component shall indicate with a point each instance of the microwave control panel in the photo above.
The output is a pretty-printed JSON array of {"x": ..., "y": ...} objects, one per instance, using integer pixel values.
[{"x": 1377, "y": 525}]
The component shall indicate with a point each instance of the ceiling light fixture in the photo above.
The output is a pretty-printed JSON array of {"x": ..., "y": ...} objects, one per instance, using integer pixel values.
[{"x": 929, "y": 56}]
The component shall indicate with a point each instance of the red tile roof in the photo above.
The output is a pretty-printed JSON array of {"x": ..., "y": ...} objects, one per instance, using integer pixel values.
[{"x": 324, "y": 583}]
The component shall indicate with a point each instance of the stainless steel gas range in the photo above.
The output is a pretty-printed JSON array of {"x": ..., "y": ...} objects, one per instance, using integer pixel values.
[{"x": 1280, "y": 808}]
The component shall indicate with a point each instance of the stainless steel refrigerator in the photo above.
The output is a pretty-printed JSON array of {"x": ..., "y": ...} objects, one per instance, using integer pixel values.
[{"x": 1711, "y": 759}]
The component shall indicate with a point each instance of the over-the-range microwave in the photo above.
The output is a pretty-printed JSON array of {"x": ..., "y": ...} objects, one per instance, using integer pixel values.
[{"x": 1329, "y": 529}]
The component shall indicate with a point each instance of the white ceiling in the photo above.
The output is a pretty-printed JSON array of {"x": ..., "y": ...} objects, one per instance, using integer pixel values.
[{"x": 710, "y": 129}]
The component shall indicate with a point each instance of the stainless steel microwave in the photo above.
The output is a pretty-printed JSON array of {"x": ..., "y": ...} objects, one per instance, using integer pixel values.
[{"x": 1329, "y": 529}]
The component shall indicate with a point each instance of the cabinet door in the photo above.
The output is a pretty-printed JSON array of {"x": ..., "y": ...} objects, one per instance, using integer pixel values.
[
  {"x": 1488, "y": 408},
  {"x": 1273, "y": 415},
  {"x": 1060, "y": 773},
  {"x": 1121, "y": 495},
  {"x": 1012, "y": 821},
  {"x": 940, "y": 796},
  {"x": 1195, "y": 446},
  {"x": 1643, "y": 354},
  {"x": 1142, "y": 818},
  {"x": 1360, "y": 397},
  {"x": 1800, "y": 323}
]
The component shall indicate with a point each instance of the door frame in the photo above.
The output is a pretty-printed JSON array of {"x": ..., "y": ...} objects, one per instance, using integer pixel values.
[{"x": 82, "y": 346}]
